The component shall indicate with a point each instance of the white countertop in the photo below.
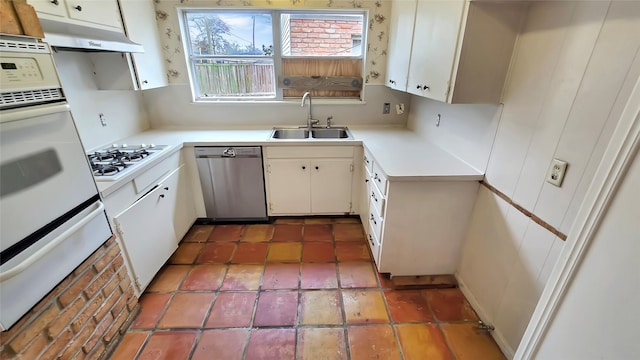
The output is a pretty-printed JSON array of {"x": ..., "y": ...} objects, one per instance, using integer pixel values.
[{"x": 402, "y": 155}]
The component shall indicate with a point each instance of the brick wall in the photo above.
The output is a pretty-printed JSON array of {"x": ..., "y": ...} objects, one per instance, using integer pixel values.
[
  {"x": 310, "y": 36},
  {"x": 80, "y": 318}
]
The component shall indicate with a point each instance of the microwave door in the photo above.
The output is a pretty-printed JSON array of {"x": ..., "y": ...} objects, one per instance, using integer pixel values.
[{"x": 43, "y": 169}]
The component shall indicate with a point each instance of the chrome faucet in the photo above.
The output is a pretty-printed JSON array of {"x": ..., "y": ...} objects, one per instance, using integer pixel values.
[{"x": 310, "y": 120}]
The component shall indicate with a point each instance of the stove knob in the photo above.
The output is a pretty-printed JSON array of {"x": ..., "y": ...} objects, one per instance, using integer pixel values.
[
  {"x": 152, "y": 146},
  {"x": 142, "y": 146},
  {"x": 123, "y": 146}
]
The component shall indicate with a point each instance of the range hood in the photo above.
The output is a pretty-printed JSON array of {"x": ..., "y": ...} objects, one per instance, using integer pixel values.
[{"x": 66, "y": 36}]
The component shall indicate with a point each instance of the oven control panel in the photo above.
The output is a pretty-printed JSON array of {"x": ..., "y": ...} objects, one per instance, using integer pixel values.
[{"x": 23, "y": 69}]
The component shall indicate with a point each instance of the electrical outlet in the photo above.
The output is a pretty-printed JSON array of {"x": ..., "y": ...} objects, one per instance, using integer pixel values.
[
  {"x": 386, "y": 109},
  {"x": 556, "y": 172},
  {"x": 400, "y": 109}
]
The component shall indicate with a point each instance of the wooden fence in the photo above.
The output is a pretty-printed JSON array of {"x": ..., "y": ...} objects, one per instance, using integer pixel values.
[{"x": 235, "y": 79}]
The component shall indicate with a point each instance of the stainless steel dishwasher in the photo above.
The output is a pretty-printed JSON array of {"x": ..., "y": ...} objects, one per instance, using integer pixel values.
[{"x": 232, "y": 181}]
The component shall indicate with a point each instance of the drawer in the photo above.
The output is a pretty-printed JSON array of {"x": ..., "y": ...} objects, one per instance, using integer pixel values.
[
  {"x": 149, "y": 177},
  {"x": 308, "y": 152},
  {"x": 375, "y": 221},
  {"x": 379, "y": 178},
  {"x": 376, "y": 200},
  {"x": 367, "y": 160},
  {"x": 374, "y": 244}
]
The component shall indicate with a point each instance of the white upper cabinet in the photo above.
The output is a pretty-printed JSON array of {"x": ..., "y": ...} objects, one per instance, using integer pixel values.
[
  {"x": 100, "y": 13},
  {"x": 103, "y": 12},
  {"x": 460, "y": 50},
  {"x": 141, "y": 27},
  {"x": 401, "y": 33}
]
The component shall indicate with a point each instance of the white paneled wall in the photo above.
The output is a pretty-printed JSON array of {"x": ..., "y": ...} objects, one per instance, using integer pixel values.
[{"x": 573, "y": 70}]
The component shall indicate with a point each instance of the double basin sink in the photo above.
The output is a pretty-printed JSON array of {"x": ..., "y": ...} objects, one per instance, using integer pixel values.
[{"x": 315, "y": 133}]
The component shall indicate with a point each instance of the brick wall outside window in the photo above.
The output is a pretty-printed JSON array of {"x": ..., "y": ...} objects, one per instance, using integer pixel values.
[
  {"x": 81, "y": 317},
  {"x": 317, "y": 37}
]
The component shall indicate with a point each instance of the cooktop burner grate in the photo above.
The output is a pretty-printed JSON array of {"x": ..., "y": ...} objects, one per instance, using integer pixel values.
[{"x": 110, "y": 162}]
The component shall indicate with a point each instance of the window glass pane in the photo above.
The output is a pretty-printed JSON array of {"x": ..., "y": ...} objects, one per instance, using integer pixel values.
[
  {"x": 229, "y": 33},
  {"x": 321, "y": 34},
  {"x": 235, "y": 77}
]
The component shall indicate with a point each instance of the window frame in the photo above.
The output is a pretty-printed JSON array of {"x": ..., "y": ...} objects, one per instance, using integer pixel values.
[{"x": 276, "y": 56}]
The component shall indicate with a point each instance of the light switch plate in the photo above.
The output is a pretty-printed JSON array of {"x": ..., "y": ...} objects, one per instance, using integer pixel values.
[{"x": 556, "y": 172}]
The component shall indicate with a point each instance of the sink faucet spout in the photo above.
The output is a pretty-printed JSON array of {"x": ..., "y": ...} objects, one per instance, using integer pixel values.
[{"x": 310, "y": 120}]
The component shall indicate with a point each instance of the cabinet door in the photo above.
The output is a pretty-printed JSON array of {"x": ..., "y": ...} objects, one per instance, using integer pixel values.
[
  {"x": 400, "y": 37},
  {"x": 141, "y": 27},
  {"x": 50, "y": 7},
  {"x": 147, "y": 233},
  {"x": 331, "y": 185},
  {"x": 182, "y": 208},
  {"x": 103, "y": 12},
  {"x": 289, "y": 186},
  {"x": 432, "y": 56}
]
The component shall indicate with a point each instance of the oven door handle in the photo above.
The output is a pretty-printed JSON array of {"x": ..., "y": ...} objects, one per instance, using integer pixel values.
[
  {"x": 52, "y": 244},
  {"x": 32, "y": 111}
]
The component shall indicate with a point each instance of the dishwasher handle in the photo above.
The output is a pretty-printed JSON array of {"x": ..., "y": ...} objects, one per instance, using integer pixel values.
[{"x": 212, "y": 152}]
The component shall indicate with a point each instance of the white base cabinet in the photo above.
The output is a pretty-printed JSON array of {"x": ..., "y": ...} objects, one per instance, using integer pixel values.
[
  {"x": 146, "y": 230},
  {"x": 416, "y": 227},
  {"x": 151, "y": 214},
  {"x": 309, "y": 180}
]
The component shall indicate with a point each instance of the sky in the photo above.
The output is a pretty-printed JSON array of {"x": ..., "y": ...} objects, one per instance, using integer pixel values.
[{"x": 241, "y": 28}]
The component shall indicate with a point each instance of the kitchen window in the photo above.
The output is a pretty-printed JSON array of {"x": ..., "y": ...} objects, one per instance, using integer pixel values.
[{"x": 235, "y": 54}]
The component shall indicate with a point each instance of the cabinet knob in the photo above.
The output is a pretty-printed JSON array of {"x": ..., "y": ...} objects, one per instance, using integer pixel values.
[
  {"x": 366, "y": 180},
  {"x": 418, "y": 87},
  {"x": 145, "y": 82},
  {"x": 392, "y": 82},
  {"x": 373, "y": 219},
  {"x": 425, "y": 87},
  {"x": 317, "y": 167},
  {"x": 54, "y": 2},
  {"x": 79, "y": 8},
  {"x": 162, "y": 196},
  {"x": 304, "y": 167},
  {"x": 166, "y": 188},
  {"x": 373, "y": 195}
]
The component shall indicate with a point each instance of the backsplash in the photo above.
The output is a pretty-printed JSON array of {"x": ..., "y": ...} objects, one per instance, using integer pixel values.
[
  {"x": 123, "y": 110},
  {"x": 377, "y": 38}
]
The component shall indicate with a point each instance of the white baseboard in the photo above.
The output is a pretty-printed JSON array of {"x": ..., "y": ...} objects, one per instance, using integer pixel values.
[{"x": 496, "y": 334}]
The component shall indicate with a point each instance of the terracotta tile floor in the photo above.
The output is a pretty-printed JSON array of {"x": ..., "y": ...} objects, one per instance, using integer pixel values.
[{"x": 297, "y": 289}]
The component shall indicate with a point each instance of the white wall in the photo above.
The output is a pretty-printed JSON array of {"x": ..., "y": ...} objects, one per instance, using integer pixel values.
[
  {"x": 466, "y": 131},
  {"x": 124, "y": 110},
  {"x": 172, "y": 106},
  {"x": 574, "y": 66},
  {"x": 598, "y": 317}
]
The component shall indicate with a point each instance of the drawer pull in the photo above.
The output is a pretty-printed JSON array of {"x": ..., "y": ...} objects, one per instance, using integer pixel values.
[
  {"x": 54, "y": 2},
  {"x": 79, "y": 8},
  {"x": 373, "y": 219},
  {"x": 371, "y": 240},
  {"x": 366, "y": 180},
  {"x": 366, "y": 160},
  {"x": 377, "y": 177},
  {"x": 166, "y": 188},
  {"x": 373, "y": 196},
  {"x": 162, "y": 196}
]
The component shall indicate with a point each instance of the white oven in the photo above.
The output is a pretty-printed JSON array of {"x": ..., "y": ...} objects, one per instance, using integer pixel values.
[{"x": 51, "y": 215}]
